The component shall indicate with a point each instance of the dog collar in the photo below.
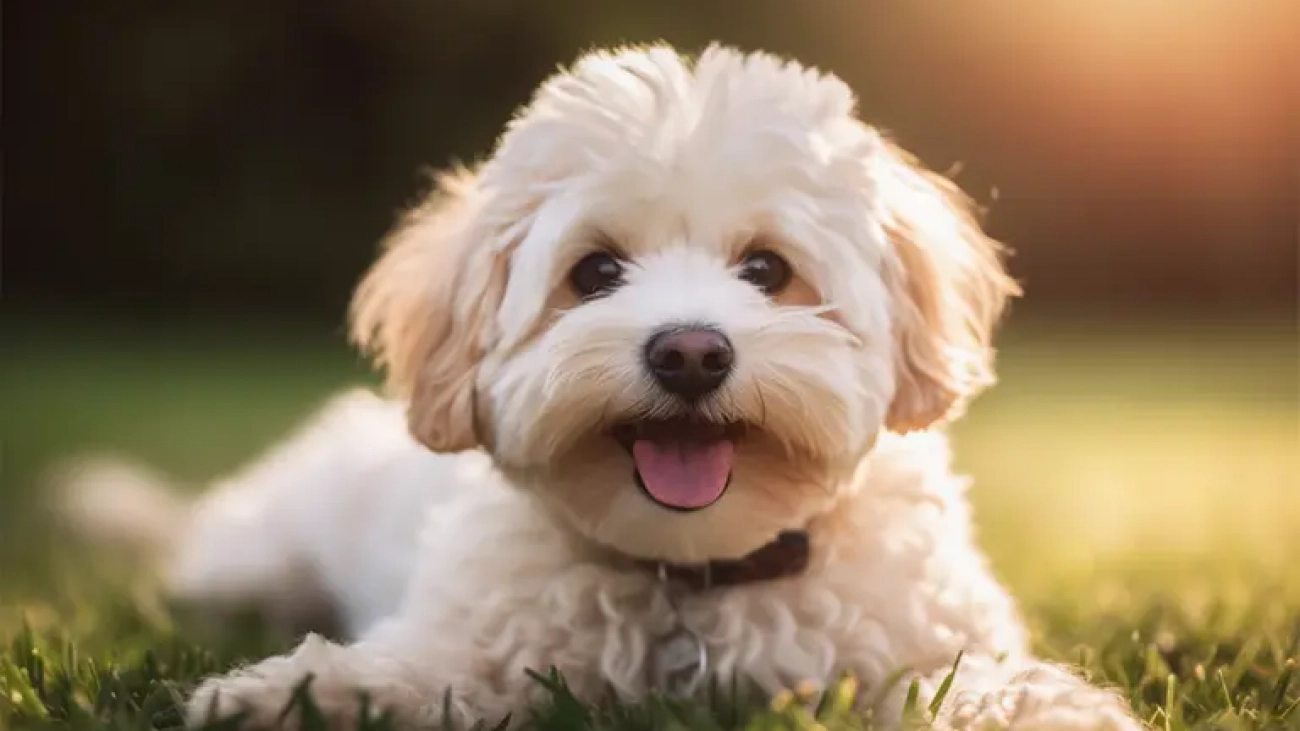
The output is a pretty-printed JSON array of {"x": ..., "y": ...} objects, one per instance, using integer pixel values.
[{"x": 785, "y": 556}]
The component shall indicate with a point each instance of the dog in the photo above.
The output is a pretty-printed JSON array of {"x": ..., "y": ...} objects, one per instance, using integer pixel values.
[{"x": 667, "y": 377}]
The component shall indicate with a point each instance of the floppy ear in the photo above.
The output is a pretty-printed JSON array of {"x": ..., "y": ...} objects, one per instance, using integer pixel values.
[
  {"x": 948, "y": 288},
  {"x": 423, "y": 311}
]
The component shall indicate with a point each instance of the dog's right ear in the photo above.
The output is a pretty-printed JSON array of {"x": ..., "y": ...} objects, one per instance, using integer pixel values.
[{"x": 423, "y": 311}]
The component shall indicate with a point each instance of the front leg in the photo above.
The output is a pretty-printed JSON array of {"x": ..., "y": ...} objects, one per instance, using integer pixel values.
[
  {"x": 1017, "y": 695},
  {"x": 391, "y": 679},
  {"x": 1041, "y": 697}
]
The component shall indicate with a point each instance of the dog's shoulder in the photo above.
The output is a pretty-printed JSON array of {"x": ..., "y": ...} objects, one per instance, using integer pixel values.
[
  {"x": 905, "y": 493},
  {"x": 915, "y": 463}
]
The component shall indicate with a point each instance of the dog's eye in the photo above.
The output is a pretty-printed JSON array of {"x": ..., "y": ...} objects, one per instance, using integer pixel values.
[
  {"x": 766, "y": 270},
  {"x": 596, "y": 274}
]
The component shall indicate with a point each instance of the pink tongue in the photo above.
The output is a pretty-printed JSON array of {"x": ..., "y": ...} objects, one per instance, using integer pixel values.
[{"x": 684, "y": 474}]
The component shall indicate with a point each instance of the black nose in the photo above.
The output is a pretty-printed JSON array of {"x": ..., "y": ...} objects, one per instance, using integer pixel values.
[{"x": 689, "y": 362}]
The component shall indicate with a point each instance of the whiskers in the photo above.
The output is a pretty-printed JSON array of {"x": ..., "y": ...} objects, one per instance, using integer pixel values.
[{"x": 794, "y": 322}]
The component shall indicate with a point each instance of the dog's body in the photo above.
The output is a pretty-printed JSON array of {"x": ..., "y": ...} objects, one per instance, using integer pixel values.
[{"x": 681, "y": 310}]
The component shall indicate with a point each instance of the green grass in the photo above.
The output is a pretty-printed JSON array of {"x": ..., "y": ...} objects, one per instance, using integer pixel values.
[{"x": 1138, "y": 489}]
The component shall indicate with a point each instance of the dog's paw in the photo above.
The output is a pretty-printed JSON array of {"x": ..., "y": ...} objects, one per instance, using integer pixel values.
[
  {"x": 1063, "y": 717},
  {"x": 315, "y": 682},
  {"x": 1045, "y": 699},
  {"x": 259, "y": 703}
]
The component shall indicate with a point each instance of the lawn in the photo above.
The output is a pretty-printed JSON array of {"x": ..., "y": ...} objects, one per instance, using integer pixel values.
[{"x": 1137, "y": 486}]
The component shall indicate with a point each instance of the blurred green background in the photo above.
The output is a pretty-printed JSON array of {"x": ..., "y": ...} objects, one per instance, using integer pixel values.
[{"x": 192, "y": 188}]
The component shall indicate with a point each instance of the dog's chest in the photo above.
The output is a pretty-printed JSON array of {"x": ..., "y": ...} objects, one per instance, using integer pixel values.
[
  {"x": 770, "y": 634},
  {"x": 765, "y": 633}
]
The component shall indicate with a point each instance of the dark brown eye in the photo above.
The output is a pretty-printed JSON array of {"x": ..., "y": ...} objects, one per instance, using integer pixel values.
[
  {"x": 598, "y": 273},
  {"x": 766, "y": 270}
]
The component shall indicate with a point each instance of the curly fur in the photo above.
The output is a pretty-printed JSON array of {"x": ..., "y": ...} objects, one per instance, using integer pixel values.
[{"x": 478, "y": 521}]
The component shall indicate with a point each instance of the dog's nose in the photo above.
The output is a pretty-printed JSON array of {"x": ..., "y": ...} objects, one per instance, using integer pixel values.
[{"x": 689, "y": 362}]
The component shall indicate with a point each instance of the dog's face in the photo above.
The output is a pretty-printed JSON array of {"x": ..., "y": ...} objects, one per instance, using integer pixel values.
[{"x": 680, "y": 302}]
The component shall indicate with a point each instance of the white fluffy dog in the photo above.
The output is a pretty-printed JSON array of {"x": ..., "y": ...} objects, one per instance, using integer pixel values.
[{"x": 665, "y": 367}]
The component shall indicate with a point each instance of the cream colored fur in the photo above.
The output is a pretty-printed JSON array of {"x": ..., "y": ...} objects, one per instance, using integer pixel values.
[{"x": 477, "y": 522}]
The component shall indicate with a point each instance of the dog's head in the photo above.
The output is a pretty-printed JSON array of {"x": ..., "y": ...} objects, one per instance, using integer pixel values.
[{"x": 680, "y": 301}]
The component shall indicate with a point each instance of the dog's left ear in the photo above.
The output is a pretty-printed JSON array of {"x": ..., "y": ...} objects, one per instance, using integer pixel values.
[
  {"x": 424, "y": 310},
  {"x": 948, "y": 289}
]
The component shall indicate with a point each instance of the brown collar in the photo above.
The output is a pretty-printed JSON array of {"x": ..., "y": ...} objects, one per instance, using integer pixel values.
[{"x": 783, "y": 557}]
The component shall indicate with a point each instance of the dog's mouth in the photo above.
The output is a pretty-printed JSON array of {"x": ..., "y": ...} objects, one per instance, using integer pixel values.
[{"x": 681, "y": 463}]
